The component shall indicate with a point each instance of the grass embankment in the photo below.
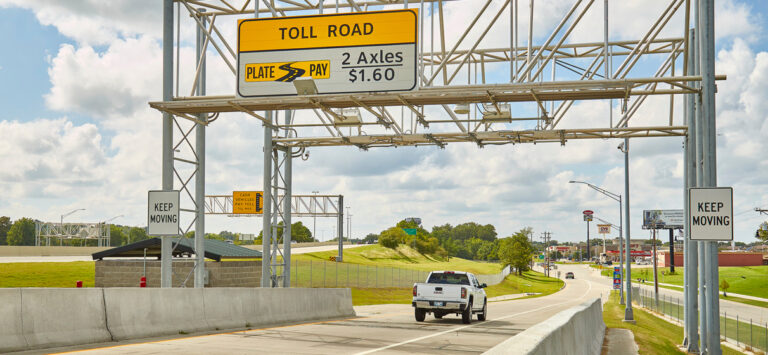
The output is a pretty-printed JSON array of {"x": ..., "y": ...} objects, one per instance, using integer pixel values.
[
  {"x": 402, "y": 257},
  {"x": 745, "y": 280},
  {"x": 59, "y": 274},
  {"x": 653, "y": 335},
  {"x": 530, "y": 281}
]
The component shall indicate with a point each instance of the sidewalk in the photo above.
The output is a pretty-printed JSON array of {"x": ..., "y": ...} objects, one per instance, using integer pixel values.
[{"x": 722, "y": 293}]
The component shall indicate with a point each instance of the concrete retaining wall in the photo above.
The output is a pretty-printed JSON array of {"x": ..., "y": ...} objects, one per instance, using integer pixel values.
[
  {"x": 44, "y": 318},
  {"x": 578, "y": 330}
]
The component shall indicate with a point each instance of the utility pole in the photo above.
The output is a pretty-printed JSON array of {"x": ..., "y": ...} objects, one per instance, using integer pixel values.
[
  {"x": 761, "y": 211},
  {"x": 349, "y": 225},
  {"x": 546, "y": 236}
]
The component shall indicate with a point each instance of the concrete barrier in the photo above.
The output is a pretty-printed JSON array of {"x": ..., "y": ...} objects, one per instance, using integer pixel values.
[
  {"x": 146, "y": 312},
  {"x": 578, "y": 330},
  {"x": 11, "y": 333},
  {"x": 34, "y": 318},
  {"x": 54, "y": 317}
]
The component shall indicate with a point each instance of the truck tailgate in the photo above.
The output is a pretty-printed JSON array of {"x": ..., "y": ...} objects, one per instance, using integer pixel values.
[{"x": 438, "y": 292}]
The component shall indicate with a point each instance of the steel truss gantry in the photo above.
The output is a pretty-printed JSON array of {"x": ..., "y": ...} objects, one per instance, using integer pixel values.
[
  {"x": 45, "y": 231},
  {"x": 625, "y": 71}
]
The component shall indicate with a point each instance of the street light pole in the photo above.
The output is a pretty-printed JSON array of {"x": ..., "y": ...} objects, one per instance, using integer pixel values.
[{"x": 622, "y": 250}]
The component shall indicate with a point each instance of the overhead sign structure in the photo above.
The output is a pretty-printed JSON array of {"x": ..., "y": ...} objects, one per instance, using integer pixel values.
[
  {"x": 341, "y": 53},
  {"x": 663, "y": 219},
  {"x": 247, "y": 202},
  {"x": 163, "y": 212},
  {"x": 711, "y": 210},
  {"x": 604, "y": 228}
]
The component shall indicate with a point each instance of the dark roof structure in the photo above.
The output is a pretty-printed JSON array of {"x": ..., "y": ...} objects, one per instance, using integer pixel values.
[{"x": 214, "y": 249}]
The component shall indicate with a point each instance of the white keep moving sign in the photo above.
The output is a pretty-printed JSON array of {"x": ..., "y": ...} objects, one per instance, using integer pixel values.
[
  {"x": 711, "y": 210},
  {"x": 163, "y": 212}
]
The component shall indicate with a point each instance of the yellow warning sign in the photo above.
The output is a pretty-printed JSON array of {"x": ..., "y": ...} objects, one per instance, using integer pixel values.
[
  {"x": 247, "y": 202},
  {"x": 327, "y": 31},
  {"x": 287, "y": 71}
]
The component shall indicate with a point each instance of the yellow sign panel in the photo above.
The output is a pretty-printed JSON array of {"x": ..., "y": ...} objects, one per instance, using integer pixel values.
[
  {"x": 247, "y": 202},
  {"x": 604, "y": 228},
  {"x": 327, "y": 31},
  {"x": 287, "y": 71}
]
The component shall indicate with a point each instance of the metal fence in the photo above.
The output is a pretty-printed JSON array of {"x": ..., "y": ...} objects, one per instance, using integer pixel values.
[
  {"x": 333, "y": 274},
  {"x": 739, "y": 331}
]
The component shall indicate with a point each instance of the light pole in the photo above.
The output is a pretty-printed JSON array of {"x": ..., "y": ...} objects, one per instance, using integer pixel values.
[
  {"x": 617, "y": 198},
  {"x": 61, "y": 225},
  {"x": 349, "y": 225},
  {"x": 314, "y": 214}
]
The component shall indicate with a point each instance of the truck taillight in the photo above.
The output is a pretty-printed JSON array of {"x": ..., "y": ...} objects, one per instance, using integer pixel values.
[
  {"x": 463, "y": 292},
  {"x": 414, "y": 291}
]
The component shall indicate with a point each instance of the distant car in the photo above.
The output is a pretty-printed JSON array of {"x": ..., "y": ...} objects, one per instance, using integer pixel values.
[{"x": 569, "y": 275}]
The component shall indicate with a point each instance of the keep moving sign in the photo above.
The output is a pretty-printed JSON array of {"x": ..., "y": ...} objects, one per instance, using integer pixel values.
[
  {"x": 341, "y": 53},
  {"x": 163, "y": 213},
  {"x": 711, "y": 213}
]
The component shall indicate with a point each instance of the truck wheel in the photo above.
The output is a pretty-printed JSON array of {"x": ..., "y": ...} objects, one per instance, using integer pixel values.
[
  {"x": 438, "y": 315},
  {"x": 420, "y": 314},
  {"x": 481, "y": 316},
  {"x": 466, "y": 315}
]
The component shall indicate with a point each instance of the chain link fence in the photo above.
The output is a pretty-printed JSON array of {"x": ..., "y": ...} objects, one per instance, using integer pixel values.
[
  {"x": 332, "y": 274},
  {"x": 741, "y": 332}
]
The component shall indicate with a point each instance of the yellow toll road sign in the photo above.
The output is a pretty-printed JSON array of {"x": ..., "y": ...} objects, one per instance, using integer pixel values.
[
  {"x": 325, "y": 31},
  {"x": 287, "y": 71},
  {"x": 247, "y": 202},
  {"x": 341, "y": 53}
]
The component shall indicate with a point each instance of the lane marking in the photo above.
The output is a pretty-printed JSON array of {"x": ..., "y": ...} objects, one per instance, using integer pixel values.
[{"x": 472, "y": 325}]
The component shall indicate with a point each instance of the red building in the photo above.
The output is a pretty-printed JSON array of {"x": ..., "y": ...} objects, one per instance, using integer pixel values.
[{"x": 725, "y": 259}]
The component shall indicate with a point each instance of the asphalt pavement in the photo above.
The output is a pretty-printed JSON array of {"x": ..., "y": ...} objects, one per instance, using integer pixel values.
[{"x": 386, "y": 329}]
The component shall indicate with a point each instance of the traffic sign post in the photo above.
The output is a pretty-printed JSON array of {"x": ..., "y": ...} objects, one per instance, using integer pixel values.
[
  {"x": 616, "y": 278},
  {"x": 711, "y": 213},
  {"x": 163, "y": 213},
  {"x": 342, "y": 53},
  {"x": 588, "y": 218}
]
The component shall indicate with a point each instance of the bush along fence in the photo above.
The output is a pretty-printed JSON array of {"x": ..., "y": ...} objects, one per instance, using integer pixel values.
[
  {"x": 742, "y": 332},
  {"x": 310, "y": 274}
]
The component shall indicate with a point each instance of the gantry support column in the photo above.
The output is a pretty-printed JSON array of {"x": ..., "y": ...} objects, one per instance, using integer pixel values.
[
  {"x": 691, "y": 253},
  {"x": 167, "y": 149},
  {"x": 266, "y": 239},
  {"x": 200, "y": 174}
]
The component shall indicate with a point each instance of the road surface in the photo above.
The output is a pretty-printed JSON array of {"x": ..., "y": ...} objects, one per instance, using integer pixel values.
[{"x": 386, "y": 329}]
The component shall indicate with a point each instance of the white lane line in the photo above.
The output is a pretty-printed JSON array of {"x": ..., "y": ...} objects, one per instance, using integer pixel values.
[{"x": 471, "y": 325}]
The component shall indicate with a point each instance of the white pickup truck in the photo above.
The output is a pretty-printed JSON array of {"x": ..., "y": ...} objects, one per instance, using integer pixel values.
[{"x": 450, "y": 292}]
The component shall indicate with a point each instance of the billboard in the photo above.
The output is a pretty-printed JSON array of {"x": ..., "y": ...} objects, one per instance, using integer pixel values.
[{"x": 663, "y": 219}]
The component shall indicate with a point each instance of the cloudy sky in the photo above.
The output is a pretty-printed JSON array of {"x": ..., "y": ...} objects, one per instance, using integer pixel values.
[{"x": 76, "y": 77}]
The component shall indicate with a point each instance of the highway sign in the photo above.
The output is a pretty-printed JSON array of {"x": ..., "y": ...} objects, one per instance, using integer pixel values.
[
  {"x": 163, "y": 212},
  {"x": 247, "y": 202},
  {"x": 616, "y": 278},
  {"x": 663, "y": 219},
  {"x": 711, "y": 210},
  {"x": 604, "y": 228},
  {"x": 588, "y": 217},
  {"x": 342, "y": 53}
]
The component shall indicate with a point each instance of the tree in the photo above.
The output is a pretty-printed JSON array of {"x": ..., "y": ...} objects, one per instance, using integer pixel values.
[
  {"x": 5, "y": 226},
  {"x": 391, "y": 237},
  {"x": 762, "y": 233},
  {"x": 116, "y": 236},
  {"x": 724, "y": 285},
  {"x": 136, "y": 234},
  {"x": 299, "y": 233},
  {"x": 517, "y": 250},
  {"x": 22, "y": 232},
  {"x": 371, "y": 238}
]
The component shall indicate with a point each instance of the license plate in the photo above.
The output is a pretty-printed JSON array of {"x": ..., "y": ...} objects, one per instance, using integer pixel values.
[{"x": 439, "y": 304}]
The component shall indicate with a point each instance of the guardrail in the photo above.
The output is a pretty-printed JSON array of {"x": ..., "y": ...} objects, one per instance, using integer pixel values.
[{"x": 332, "y": 274}]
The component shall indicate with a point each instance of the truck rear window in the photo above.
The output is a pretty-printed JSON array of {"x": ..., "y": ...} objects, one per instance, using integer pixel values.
[{"x": 443, "y": 278}]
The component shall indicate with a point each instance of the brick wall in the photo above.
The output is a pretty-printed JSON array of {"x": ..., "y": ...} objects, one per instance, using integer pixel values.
[{"x": 127, "y": 273}]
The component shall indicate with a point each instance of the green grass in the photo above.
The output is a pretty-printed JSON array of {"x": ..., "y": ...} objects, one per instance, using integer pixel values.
[
  {"x": 653, "y": 335},
  {"x": 531, "y": 281},
  {"x": 402, "y": 257},
  {"x": 61, "y": 274}
]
